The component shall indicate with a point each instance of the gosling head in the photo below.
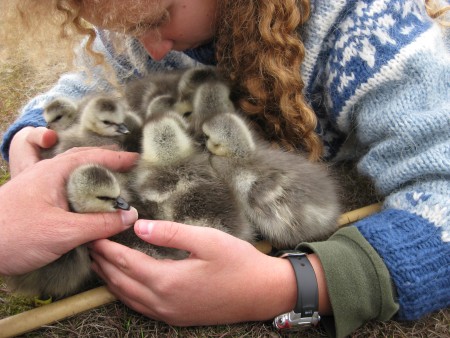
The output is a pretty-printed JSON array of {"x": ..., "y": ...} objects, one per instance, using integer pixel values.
[
  {"x": 160, "y": 105},
  {"x": 93, "y": 188},
  {"x": 60, "y": 113},
  {"x": 228, "y": 135},
  {"x": 188, "y": 84},
  {"x": 104, "y": 116},
  {"x": 209, "y": 99},
  {"x": 166, "y": 140}
]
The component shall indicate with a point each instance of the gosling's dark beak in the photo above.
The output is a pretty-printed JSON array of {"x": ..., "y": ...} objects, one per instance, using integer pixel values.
[
  {"x": 122, "y": 128},
  {"x": 121, "y": 204}
]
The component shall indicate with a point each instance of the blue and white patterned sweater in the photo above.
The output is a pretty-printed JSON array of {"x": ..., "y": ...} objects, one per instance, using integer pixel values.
[{"x": 378, "y": 76}]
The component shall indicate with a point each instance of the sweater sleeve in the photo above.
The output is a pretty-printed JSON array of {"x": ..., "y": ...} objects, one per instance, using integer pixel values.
[
  {"x": 404, "y": 124},
  {"x": 360, "y": 290},
  {"x": 381, "y": 87},
  {"x": 124, "y": 62}
]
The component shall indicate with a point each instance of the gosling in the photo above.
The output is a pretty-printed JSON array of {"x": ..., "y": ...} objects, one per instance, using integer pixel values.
[
  {"x": 60, "y": 114},
  {"x": 90, "y": 188},
  {"x": 101, "y": 124},
  {"x": 174, "y": 181},
  {"x": 287, "y": 198},
  {"x": 188, "y": 84},
  {"x": 139, "y": 93}
]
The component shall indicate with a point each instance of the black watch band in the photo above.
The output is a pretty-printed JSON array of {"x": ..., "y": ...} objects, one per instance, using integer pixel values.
[
  {"x": 307, "y": 290},
  {"x": 307, "y": 306}
]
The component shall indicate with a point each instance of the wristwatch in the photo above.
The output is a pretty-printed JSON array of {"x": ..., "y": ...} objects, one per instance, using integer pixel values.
[{"x": 306, "y": 309}]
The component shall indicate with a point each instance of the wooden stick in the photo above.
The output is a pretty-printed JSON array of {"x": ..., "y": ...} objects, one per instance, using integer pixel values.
[
  {"x": 33, "y": 319},
  {"x": 356, "y": 215}
]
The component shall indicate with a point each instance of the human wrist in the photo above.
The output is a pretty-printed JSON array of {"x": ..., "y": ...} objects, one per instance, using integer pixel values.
[
  {"x": 309, "y": 277},
  {"x": 324, "y": 300},
  {"x": 288, "y": 287},
  {"x": 275, "y": 291}
]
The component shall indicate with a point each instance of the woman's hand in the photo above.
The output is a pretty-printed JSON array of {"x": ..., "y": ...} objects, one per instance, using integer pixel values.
[
  {"x": 26, "y": 147},
  {"x": 224, "y": 280},
  {"x": 35, "y": 225}
]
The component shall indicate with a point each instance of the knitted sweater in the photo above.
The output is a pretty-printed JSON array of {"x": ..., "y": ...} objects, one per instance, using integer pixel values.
[{"x": 378, "y": 76}]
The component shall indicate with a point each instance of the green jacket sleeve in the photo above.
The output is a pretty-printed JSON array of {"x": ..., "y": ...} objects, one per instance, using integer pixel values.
[{"x": 359, "y": 284}]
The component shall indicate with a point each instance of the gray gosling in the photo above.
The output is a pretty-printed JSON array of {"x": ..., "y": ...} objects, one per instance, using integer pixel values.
[
  {"x": 101, "y": 124},
  {"x": 90, "y": 188},
  {"x": 104, "y": 116},
  {"x": 159, "y": 105},
  {"x": 174, "y": 181},
  {"x": 60, "y": 114},
  {"x": 189, "y": 82},
  {"x": 287, "y": 198},
  {"x": 139, "y": 93},
  {"x": 209, "y": 100},
  {"x": 132, "y": 141}
]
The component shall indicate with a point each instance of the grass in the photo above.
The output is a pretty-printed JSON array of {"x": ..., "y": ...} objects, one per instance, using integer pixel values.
[
  {"x": 19, "y": 81},
  {"x": 12, "y": 93}
]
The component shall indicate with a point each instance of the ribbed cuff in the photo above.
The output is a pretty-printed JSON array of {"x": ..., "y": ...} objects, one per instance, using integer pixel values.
[{"x": 416, "y": 256}]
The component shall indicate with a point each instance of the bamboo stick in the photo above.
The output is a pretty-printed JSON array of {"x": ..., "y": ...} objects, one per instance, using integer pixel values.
[
  {"x": 355, "y": 215},
  {"x": 33, "y": 319}
]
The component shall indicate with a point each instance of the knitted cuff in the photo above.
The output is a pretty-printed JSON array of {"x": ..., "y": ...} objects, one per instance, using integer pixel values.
[{"x": 416, "y": 257}]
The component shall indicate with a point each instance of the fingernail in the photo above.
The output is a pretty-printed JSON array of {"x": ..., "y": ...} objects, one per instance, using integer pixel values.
[
  {"x": 129, "y": 216},
  {"x": 144, "y": 227}
]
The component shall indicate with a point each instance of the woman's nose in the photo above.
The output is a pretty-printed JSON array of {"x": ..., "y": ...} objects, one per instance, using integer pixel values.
[{"x": 156, "y": 47}]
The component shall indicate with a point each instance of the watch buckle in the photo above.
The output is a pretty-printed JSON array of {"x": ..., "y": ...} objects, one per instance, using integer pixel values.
[{"x": 291, "y": 320}]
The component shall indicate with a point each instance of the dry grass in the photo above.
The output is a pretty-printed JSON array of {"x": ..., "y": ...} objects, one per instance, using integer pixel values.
[{"x": 19, "y": 81}]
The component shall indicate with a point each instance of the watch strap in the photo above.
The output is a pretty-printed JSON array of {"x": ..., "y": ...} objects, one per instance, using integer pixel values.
[{"x": 307, "y": 289}]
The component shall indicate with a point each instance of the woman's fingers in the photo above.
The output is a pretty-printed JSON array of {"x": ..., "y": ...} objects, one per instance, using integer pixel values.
[
  {"x": 125, "y": 287},
  {"x": 133, "y": 263},
  {"x": 44, "y": 138},
  {"x": 41, "y": 137},
  {"x": 114, "y": 160},
  {"x": 88, "y": 227},
  {"x": 26, "y": 146},
  {"x": 199, "y": 241}
]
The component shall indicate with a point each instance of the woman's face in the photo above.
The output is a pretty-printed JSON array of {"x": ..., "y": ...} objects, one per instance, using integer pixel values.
[{"x": 160, "y": 25}]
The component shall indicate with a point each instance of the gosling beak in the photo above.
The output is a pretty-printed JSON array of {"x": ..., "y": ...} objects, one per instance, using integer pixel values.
[
  {"x": 122, "y": 128},
  {"x": 120, "y": 203}
]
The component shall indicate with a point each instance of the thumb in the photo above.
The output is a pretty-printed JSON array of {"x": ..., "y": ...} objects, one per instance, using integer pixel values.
[
  {"x": 195, "y": 239},
  {"x": 43, "y": 137},
  {"x": 49, "y": 138},
  {"x": 92, "y": 226}
]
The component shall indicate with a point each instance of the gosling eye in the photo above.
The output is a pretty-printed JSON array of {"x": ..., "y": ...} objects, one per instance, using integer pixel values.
[
  {"x": 107, "y": 123},
  {"x": 107, "y": 105},
  {"x": 105, "y": 198},
  {"x": 187, "y": 114},
  {"x": 57, "y": 118}
]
